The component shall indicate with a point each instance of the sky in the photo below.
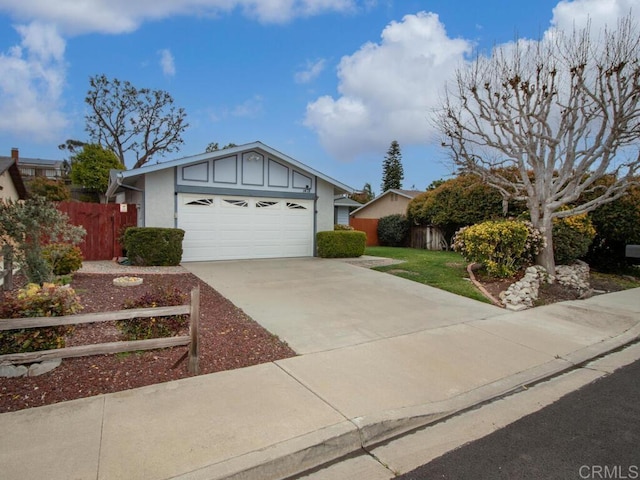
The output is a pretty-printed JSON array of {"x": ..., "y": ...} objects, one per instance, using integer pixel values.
[{"x": 330, "y": 83}]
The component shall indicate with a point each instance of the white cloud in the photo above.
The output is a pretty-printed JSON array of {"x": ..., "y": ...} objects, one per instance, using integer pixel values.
[
  {"x": 250, "y": 108},
  {"x": 31, "y": 84},
  {"x": 310, "y": 72},
  {"x": 578, "y": 13},
  {"x": 167, "y": 62},
  {"x": 387, "y": 89},
  {"x": 119, "y": 16}
]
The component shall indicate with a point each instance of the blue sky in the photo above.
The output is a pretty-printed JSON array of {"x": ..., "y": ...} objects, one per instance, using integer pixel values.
[{"x": 328, "y": 82}]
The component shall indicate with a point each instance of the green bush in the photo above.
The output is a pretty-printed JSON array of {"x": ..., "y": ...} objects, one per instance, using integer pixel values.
[
  {"x": 63, "y": 258},
  {"x": 393, "y": 231},
  {"x": 502, "y": 247},
  {"x": 341, "y": 243},
  {"x": 36, "y": 301},
  {"x": 572, "y": 237},
  {"x": 153, "y": 246},
  {"x": 617, "y": 224},
  {"x": 154, "y": 327}
]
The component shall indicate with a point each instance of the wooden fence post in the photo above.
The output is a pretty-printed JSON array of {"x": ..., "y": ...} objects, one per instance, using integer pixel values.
[{"x": 194, "y": 321}]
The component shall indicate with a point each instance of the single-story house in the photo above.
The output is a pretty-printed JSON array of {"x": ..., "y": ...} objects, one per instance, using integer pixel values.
[
  {"x": 391, "y": 202},
  {"x": 343, "y": 206},
  {"x": 11, "y": 184},
  {"x": 248, "y": 201}
]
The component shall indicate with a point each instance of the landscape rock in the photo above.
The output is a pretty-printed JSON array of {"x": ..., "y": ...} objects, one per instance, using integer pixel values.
[
  {"x": 11, "y": 371},
  {"x": 43, "y": 367},
  {"x": 523, "y": 293}
]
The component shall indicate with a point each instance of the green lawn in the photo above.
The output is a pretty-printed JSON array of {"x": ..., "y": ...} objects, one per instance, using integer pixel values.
[{"x": 444, "y": 270}]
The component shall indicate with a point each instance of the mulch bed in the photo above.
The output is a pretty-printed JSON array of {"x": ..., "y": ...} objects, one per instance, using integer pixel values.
[{"x": 229, "y": 339}]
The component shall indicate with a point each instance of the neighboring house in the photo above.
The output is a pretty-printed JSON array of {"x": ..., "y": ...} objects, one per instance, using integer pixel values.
[
  {"x": 11, "y": 184},
  {"x": 343, "y": 205},
  {"x": 248, "y": 201},
  {"x": 391, "y": 202},
  {"x": 388, "y": 203},
  {"x": 36, "y": 167}
]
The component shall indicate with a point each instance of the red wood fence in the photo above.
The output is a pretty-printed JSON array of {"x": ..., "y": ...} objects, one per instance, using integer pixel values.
[
  {"x": 368, "y": 226},
  {"x": 104, "y": 224}
]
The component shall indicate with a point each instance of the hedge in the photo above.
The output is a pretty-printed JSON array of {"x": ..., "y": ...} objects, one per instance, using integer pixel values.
[
  {"x": 341, "y": 243},
  {"x": 149, "y": 246}
]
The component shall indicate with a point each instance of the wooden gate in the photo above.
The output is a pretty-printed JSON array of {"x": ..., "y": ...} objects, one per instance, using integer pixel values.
[
  {"x": 104, "y": 224},
  {"x": 368, "y": 226}
]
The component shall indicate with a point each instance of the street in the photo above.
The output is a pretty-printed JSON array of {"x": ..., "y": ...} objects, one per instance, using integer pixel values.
[{"x": 592, "y": 433}]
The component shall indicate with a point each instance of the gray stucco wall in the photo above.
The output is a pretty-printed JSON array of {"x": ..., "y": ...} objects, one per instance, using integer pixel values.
[
  {"x": 324, "y": 206},
  {"x": 159, "y": 201}
]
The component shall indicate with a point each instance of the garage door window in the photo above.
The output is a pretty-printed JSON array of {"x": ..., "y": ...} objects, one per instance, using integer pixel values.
[
  {"x": 201, "y": 201},
  {"x": 295, "y": 206},
  {"x": 264, "y": 204},
  {"x": 237, "y": 203}
]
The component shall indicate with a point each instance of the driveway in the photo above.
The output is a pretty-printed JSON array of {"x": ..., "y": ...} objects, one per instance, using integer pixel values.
[{"x": 319, "y": 304}]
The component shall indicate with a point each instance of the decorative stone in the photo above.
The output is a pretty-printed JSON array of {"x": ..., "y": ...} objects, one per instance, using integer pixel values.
[
  {"x": 43, "y": 367},
  {"x": 11, "y": 371},
  {"x": 127, "y": 281}
]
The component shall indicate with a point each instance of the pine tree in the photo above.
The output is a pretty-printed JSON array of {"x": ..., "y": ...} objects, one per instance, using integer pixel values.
[{"x": 392, "y": 171}]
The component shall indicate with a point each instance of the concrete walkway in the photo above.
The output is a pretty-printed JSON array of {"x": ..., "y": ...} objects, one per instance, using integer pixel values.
[{"x": 279, "y": 419}]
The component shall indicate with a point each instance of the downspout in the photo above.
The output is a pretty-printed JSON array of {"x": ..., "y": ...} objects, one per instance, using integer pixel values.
[{"x": 315, "y": 216}]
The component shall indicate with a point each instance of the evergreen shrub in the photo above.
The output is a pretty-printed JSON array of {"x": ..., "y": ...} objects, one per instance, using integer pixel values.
[
  {"x": 148, "y": 246},
  {"x": 341, "y": 243}
]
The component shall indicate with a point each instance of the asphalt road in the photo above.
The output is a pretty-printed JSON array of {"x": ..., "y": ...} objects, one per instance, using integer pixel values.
[{"x": 592, "y": 433}]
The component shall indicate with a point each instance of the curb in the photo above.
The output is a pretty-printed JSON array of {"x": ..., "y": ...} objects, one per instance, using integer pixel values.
[{"x": 303, "y": 454}]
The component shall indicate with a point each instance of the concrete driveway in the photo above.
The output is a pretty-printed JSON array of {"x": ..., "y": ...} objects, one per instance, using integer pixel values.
[{"x": 319, "y": 304}]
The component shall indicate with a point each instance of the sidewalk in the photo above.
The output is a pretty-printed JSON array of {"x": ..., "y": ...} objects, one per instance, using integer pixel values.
[{"x": 279, "y": 419}]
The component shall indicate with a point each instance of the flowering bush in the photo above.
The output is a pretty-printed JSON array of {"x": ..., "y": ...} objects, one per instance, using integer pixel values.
[
  {"x": 503, "y": 247},
  {"x": 342, "y": 226},
  {"x": 36, "y": 301}
]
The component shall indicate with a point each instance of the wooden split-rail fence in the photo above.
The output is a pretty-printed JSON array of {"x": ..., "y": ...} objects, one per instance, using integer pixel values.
[{"x": 192, "y": 309}]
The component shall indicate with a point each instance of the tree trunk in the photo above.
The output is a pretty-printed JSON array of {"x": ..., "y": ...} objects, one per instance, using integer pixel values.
[{"x": 545, "y": 257}]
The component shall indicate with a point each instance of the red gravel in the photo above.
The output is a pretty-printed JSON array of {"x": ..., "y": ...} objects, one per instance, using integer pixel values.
[{"x": 229, "y": 339}]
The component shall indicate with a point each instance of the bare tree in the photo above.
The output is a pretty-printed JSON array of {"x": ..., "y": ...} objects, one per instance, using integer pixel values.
[
  {"x": 124, "y": 118},
  {"x": 543, "y": 121}
]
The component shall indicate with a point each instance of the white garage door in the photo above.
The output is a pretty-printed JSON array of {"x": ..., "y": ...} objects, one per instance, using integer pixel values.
[{"x": 234, "y": 227}]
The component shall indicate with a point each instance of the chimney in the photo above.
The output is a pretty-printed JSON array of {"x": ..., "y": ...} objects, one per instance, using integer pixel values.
[{"x": 15, "y": 156}]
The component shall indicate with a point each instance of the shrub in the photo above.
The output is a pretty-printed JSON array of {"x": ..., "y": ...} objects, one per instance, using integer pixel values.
[
  {"x": 154, "y": 327},
  {"x": 63, "y": 258},
  {"x": 617, "y": 224},
  {"x": 341, "y": 243},
  {"x": 153, "y": 246},
  {"x": 502, "y": 247},
  {"x": 35, "y": 301},
  {"x": 572, "y": 237},
  {"x": 393, "y": 230},
  {"x": 342, "y": 226}
]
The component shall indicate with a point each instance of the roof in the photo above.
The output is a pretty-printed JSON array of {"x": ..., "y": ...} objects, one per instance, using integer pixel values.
[
  {"x": 42, "y": 162},
  {"x": 118, "y": 177},
  {"x": 7, "y": 164},
  {"x": 410, "y": 194},
  {"x": 343, "y": 201}
]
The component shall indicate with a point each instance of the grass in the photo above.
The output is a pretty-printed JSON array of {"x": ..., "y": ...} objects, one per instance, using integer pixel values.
[{"x": 439, "y": 269}]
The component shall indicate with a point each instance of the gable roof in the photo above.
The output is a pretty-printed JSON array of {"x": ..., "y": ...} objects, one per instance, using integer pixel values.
[
  {"x": 118, "y": 177},
  {"x": 410, "y": 194},
  {"x": 8, "y": 164},
  {"x": 344, "y": 201}
]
